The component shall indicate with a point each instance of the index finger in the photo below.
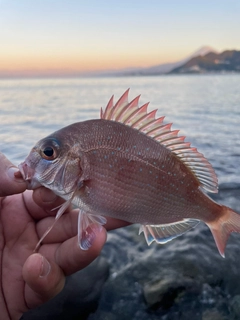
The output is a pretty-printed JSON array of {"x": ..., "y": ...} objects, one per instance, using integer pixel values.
[
  {"x": 9, "y": 182},
  {"x": 42, "y": 203}
]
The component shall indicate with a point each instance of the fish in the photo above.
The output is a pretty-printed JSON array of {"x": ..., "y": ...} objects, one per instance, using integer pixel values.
[{"x": 130, "y": 165}]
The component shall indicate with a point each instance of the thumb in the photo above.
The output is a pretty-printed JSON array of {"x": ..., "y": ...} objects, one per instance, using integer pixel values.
[
  {"x": 44, "y": 280},
  {"x": 9, "y": 183}
]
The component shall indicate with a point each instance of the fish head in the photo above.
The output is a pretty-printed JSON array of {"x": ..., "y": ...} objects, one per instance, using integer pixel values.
[{"x": 54, "y": 164}]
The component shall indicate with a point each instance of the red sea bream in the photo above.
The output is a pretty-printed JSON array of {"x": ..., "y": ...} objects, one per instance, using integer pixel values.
[{"x": 131, "y": 166}]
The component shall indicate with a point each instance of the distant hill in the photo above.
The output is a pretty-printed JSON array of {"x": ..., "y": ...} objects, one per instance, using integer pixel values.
[
  {"x": 157, "y": 69},
  {"x": 212, "y": 62},
  {"x": 167, "y": 67}
]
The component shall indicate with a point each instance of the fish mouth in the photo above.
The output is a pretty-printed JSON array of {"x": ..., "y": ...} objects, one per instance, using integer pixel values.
[{"x": 28, "y": 175}]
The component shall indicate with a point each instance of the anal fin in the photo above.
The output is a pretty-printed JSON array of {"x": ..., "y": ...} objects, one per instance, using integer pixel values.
[{"x": 166, "y": 232}]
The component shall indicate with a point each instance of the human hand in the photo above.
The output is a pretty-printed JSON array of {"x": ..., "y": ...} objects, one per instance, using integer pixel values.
[{"x": 29, "y": 279}]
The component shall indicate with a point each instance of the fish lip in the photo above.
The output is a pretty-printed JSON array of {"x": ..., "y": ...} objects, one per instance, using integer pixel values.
[
  {"x": 26, "y": 171},
  {"x": 28, "y": 175}
]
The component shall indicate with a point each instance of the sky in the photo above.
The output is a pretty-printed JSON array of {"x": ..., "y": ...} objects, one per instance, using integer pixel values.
[{"x": 64, "y": 36}]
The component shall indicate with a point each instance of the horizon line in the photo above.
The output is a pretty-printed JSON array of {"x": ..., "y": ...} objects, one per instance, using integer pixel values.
[{"x": 71, "y": 73}]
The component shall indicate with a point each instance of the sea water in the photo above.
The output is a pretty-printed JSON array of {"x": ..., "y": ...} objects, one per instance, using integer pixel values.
[{"x": 205, "y": 108}]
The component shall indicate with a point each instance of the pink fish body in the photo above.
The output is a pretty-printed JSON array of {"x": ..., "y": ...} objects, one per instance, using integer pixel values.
[{"x": 130, "y": 165}]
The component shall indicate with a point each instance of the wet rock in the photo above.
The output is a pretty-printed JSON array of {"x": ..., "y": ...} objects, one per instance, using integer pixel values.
[
  {"x": 213, "y": 314},
  {"x": 167, "y": 290},
  {"x": 234, "y": 307},
  {"x": 79, "y": 297}
]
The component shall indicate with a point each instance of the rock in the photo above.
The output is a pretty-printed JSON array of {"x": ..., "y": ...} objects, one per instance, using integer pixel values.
[
  {"x": 165, "y": 291},
  {"x": 213, "y": 314},
  {"x": 78, "y": 298},
  {"x": 234, "y": 307}
]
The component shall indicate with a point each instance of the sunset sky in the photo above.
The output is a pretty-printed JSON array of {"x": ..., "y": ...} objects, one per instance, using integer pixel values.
[{"x": 60, "y": 36}]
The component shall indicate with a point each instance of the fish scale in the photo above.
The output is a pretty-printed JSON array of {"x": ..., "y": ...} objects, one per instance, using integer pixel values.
[{"x": 130, "y": 165}]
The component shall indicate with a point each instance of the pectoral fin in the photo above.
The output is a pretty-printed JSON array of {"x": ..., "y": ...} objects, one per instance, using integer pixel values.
[
  {"x": 85, "y": 220},
  {"x": 166, "y": 232}
]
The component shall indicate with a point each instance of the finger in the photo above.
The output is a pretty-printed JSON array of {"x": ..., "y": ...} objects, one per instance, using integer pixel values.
[
  {"x": 41, "y": 203},
  {"x": 66, "y": 227},
  {"x": 70, "y": 257},
  {"x": 46, "y": 199},
  {"x": 9, "y": 183},
  {"x": 44, "y": 280}
]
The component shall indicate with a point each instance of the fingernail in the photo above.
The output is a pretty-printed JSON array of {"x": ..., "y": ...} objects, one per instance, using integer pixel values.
[
  {"x": 45, "y": 268},
  {"x": 96, "y": 228},
  {"x": 89, "y": 235},
  {"x": 15, "y": 174}
]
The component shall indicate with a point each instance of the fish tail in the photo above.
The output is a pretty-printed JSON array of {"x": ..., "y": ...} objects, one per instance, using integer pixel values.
[{"x": 229, "y": 221}]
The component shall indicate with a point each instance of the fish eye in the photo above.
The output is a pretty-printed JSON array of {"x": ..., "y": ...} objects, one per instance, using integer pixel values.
[{"x": 50, "y": 151}]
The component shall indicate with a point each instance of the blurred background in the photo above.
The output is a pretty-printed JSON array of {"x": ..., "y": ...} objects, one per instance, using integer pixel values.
[{"x": 61, "y": 61}]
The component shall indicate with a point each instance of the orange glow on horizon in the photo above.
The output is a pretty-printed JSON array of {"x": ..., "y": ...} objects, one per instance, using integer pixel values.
[{"x": 79, "y": 63}]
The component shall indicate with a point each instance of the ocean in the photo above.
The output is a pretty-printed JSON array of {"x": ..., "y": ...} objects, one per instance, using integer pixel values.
[{"x": 206, "y": 109}]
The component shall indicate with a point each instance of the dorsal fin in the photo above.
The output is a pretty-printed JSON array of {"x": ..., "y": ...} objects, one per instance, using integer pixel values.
[{"x": 129, "y": 113}]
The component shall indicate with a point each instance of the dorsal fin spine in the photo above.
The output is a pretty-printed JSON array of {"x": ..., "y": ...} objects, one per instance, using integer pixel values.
[
  {"x": 133, "y": 103},
  {"x": 155, "y": 123},
  {"x": 160, "y": 129},
  {"x": 177, "y": 140},
  {"x": 168, "y": 135},
  {"x": 108, "y": 108},
  {"x": 122, "y": 101},
  {"x": 145, "y": 126},
  {"x": 136, "y": 114},
  {"x": 144, "y": 117}
]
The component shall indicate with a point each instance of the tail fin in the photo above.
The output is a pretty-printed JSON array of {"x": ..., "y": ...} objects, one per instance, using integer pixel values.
[{"x": 228, "y": 222}]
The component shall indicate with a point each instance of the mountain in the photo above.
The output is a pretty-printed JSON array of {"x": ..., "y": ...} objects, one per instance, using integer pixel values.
[
  {"x": 157, "y": 69},
  {"x": 202, "y": 51},
  {"x": 167, "y": 67},
  {"x": 226, "y": 61}
]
